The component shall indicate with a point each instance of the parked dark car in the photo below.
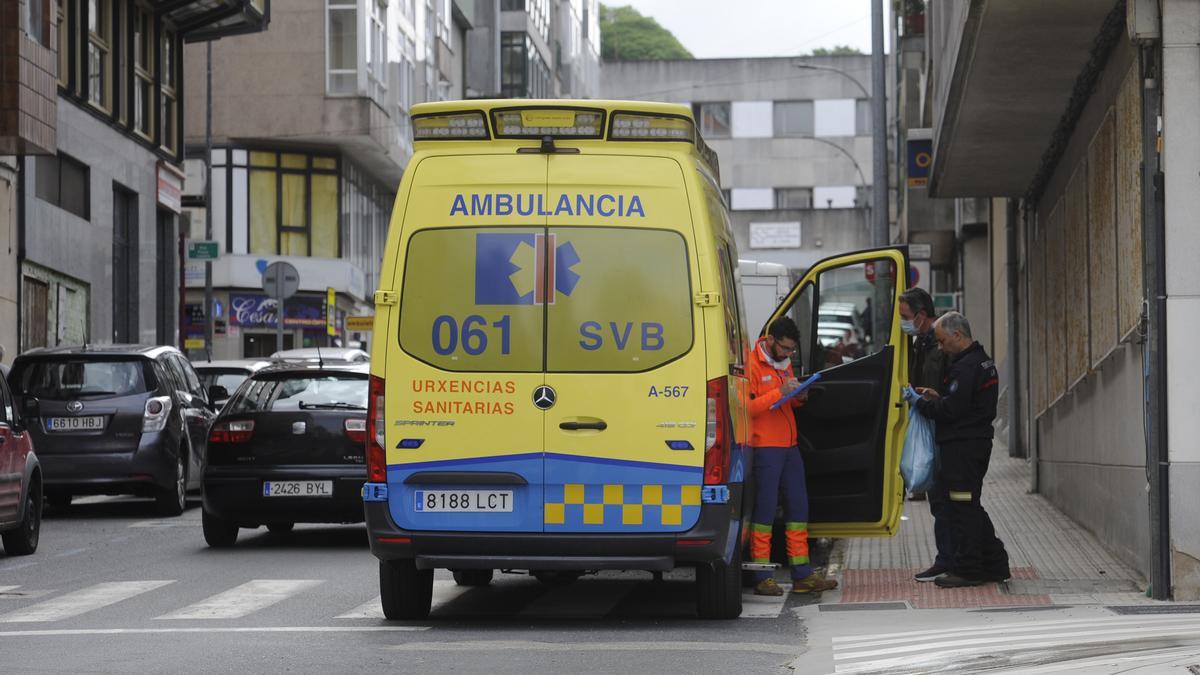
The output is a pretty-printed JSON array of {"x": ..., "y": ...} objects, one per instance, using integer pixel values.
[
  {"x": 20, "y": 481},
  {"x": 288, "y": 448},
  {"x": 115, "y": 419}
]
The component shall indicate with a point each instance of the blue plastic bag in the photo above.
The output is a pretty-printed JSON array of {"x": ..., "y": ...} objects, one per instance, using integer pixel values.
[{"x": 920, "y": 453}]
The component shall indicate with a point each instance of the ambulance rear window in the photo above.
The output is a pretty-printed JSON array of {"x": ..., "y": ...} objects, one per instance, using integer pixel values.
[
  {"x": 623, "y": 301},
  {"x": 569, "y": 299},
  {"x": 470, "y": 300}
]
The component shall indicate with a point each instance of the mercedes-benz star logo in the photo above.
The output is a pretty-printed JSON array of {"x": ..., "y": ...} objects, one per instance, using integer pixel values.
[
  {"x": 74, "y": 406},
  {"x": 544, "y": 397}
]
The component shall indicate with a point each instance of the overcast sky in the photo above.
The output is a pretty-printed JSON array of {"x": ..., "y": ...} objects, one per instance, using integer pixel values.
[{"x": 724, "y": 29}]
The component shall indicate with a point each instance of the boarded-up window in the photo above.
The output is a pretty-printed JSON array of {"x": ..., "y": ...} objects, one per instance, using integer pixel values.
[
  {"x": 1076, "y": 269},
  {"x": 36, "y": 321},
  {"x": 1102, "y": 243},
  {"x": 1128, "y": 141},
  {"x": 1056, "y": 318}
]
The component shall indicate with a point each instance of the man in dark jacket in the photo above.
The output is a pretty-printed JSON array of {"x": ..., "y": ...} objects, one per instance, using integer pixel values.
[
  {"x": 927, "y": 366},
  {"x": 963, "y": 409}
]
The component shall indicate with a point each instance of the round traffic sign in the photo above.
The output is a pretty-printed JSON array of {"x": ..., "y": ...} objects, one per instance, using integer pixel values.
[{"x": 281, "y": 280}]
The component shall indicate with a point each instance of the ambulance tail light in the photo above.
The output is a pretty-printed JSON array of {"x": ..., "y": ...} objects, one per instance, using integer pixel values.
[
  {"x": 628, "y": 126},
  {"x": 376, "y": 432},
  {"x": 457, "y": 126},
  {"x": 717, "y": 433}
]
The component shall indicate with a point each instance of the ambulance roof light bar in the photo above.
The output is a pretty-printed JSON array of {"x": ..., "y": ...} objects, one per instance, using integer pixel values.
[
  {"x": 647, "y": 126},
  {"x": 538, "y": 122}
]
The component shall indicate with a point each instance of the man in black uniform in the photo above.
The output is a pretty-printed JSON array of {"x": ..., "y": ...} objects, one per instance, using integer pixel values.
[
  {"x": 964, "y": 410},
  {"x": 927, "y": 366}
]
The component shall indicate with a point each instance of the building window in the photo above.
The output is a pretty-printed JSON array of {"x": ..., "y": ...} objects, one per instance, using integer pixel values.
[
  {"x": 744, "y": 199},
  {"x": 793, "y": 118},
  {"x": 793, "y": 198},
  {"x": 512, "y": 64},
  {"x": 834, "y": 117},
  {"x": 293, "y": 204},
  {"x": 64, "y": 182},
  {"x": 64, "y": 50},
  {"x": 539, "y": 16},
  {"x": 341, "y": 47},
  {"x": 512, "y": 5},
  {"x": 835, "y": 197},
  {"x": 377, "y": 53},
  {"x": 713, "y": 118},
  {"x": 170, "y": 92},
  {"x": 35, "y": 20},
  {"x": 862, "y": 122},
  {"x": 99, "y": 53},
  {"x": 125, "y": 265},
  {"x": 143, "y": 72}
]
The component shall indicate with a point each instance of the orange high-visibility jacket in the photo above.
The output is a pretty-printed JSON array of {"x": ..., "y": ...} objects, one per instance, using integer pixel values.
[{"x": 770, "y": 428}]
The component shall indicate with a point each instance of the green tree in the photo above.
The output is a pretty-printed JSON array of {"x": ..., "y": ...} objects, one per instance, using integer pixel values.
[
  {"x": 838, "y": 50},
  {"x": 626, "y": 35}
]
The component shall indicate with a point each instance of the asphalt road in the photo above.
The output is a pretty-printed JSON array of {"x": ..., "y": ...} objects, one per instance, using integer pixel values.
[{"x": 114, "y": 588}]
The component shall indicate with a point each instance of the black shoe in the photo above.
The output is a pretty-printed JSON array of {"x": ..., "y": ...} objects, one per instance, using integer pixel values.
[
  {"x": 1001, "y": 578},
  {"x": 930, "y": 574},
  {"x": 955, "y": 581}
]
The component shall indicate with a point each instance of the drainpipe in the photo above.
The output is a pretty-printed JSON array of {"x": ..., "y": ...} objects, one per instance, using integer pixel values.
[
  {"x": 21, "y": 159},
  {"x": 1154, "y": 353},
  {"x": 1033, "y": 440},
  {"x": 1015, "y": 448}
]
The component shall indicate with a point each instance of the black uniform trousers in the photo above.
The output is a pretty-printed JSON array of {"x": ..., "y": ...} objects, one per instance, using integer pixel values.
[{"x": 978, "y": 553}]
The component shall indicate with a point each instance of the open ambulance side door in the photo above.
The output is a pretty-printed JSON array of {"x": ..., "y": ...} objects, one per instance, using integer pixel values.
[{"x": 852, "y": 427}]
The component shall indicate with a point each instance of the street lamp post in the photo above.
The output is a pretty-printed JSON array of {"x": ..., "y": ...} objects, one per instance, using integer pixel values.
[{"x": 878, "y": 205}]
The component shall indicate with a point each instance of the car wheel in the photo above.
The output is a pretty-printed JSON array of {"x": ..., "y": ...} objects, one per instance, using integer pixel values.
[
  {"x": 556, "y": 577},
  {"x": 59, "y": 500},
  {"x": 719, "y": 588},
  {"x": 173, "y": 500},
  {"x": 473, "y": 577},
  {"x": 24, "y": 539},
  {"x": 405, "y": 591},
  {"x": 218, "y": 533},
  {"x": 280, "y": 528}
]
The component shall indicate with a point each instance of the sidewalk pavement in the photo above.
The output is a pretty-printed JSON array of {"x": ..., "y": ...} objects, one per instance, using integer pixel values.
[{"x": 1054, "y": 561}]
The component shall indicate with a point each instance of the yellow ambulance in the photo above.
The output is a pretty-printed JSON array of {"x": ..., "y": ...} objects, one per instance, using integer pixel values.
[{"x": 558, "y": 372}]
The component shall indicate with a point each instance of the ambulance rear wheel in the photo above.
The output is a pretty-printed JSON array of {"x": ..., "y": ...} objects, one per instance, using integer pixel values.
[
  {"x": 473, "y": 577},
  {"x": 719, "y": 589},
  {"x": 404, "y": 591}
]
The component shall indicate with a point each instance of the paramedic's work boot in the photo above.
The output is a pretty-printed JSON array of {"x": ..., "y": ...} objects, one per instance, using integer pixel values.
[
  {"x": 813, "y": 583},
  {"x": 768, "y": 587}
]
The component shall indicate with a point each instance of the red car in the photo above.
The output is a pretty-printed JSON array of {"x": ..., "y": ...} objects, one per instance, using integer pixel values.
[{"x": 20, "y": 481}]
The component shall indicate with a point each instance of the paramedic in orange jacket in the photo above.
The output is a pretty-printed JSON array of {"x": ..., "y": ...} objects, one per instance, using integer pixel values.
[{"x": 777, "y": 460}]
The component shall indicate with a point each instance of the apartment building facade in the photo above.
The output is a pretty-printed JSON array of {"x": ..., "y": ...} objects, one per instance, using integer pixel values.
[
  {"x": 96, "y": 111},
  {"x": 309, "y": 145},
  {"x": 794, "y": 138}
]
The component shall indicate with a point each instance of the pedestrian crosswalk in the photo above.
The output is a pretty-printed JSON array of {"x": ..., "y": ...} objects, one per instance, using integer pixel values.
[
  {"x": 518, "y": 596},
  {"x": 980, "y": 647}
]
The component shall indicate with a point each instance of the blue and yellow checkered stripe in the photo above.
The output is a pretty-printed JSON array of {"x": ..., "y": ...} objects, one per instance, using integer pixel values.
[{"x": 608, "y": 507}]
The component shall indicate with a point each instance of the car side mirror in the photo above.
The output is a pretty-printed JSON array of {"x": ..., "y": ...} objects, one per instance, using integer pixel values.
[{"x": 217, "y": 393}]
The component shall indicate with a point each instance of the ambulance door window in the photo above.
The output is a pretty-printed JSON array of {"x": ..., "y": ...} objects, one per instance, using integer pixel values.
[{"x": 854, "y": 311}]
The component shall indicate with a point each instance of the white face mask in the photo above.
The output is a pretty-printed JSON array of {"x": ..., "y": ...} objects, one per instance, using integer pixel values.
[
  {"x": 778, "y": 365},
  {"x": 908, "y": 327}
]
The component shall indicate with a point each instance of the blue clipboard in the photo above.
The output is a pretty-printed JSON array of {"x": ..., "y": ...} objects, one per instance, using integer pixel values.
[{"x": 803, "y": 385}]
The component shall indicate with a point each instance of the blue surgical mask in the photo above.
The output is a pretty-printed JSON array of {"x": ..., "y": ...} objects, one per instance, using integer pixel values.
[{"x": 908, "y": 327}]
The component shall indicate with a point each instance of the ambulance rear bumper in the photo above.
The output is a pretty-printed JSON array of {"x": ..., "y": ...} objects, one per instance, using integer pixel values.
[{"x": 714, "y": 537}]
